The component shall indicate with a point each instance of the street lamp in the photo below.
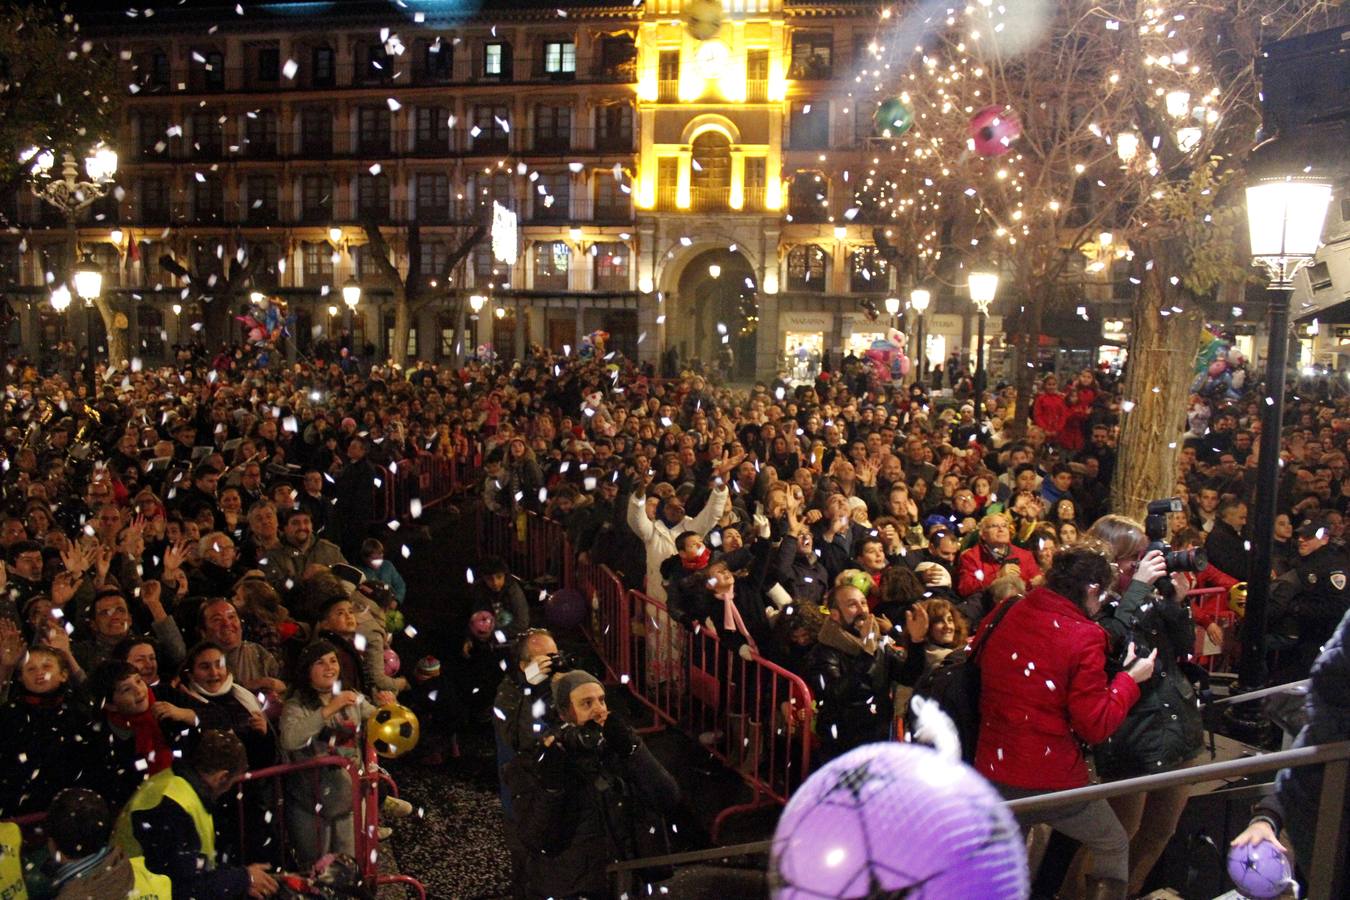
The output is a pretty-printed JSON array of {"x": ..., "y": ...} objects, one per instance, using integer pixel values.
[
  {"x": 60, "y": 298},
  {"x": 476, "y": 303},
  {"x": 919, "y": 298},
  {"x": 67, "y": 191},
  {"x": 351, "y": 293},
  {"x": 983, "y": 286},
  {"x": 892, "y": 308},
  {"x": 1284, "y": 218},
  {"x": 88, "y": 279}
]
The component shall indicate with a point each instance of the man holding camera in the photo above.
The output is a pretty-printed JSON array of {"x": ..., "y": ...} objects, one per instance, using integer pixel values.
[{"x": 586, "y": 795}]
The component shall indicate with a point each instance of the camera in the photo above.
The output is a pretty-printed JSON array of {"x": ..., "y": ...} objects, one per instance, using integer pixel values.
[
  {"x": 1155, "y": 527},
  {"x": 562, "y": 662}
]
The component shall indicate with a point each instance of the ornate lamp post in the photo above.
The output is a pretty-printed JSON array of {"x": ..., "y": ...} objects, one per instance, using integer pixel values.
[
  {"x": 919, "y": 298},
  {"x": 983, "y": 286},
  {"x": 1284, "y": 218}
]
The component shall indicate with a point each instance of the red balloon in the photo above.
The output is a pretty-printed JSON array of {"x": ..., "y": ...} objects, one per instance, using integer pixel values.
[{"x": 993, "y": 129}]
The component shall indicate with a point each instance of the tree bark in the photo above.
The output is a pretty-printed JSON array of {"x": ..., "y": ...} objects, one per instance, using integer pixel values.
[
  {"x": 1158, "y": 381},
  {"x": 119, "y": 339}
]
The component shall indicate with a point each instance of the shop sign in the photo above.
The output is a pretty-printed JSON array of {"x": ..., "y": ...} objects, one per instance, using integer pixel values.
[
  {"x": 943, "y": 323},
  {"x": 805, "y": 321}
]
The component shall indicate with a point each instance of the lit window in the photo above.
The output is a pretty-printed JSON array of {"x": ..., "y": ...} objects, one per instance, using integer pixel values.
[
  {"x": 492, "y": 59},
  {"x": 560, "y": 57}
]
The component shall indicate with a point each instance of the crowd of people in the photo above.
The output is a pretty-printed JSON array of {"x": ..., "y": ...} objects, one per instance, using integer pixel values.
[{"x": 196, "y": 584}]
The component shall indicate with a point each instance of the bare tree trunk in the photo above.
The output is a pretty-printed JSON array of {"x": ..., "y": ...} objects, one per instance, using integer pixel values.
[
  {"x": 398, "y": 353},
  {"x": 1028, "y": 356},
  {"x": 1161, "y": 354}
]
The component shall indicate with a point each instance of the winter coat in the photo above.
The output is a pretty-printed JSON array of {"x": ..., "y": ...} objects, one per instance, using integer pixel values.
[
  {"x": 977, "y": 568},
  {"x": 1229, "y": 551},
  {"x": 1049, "y": 411},
  {"x": 804, "y": 579},
  {"x": 1164, "y": 728},
  {"x": 522, "y": 712},
  {"x": 659, "y": 538},
  {"x": 47, "y": 746},
  {"x": 1034, "y": 721},
  {"x": 576, "y": 812},
  {"x": 305, "y": 734},
  {"x": 1298, "y": 791},
  {"x": 852, "y": 679},
  {"x": 508, "y": 606}
]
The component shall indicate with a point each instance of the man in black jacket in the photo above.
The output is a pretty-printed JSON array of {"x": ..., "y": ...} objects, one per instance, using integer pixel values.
[
  {"x": 853, "y": 672},
  {"x": 588, "y": 794},
  {"x": 1308, "y": 600},
  {"x": 1227, "y": 547}
]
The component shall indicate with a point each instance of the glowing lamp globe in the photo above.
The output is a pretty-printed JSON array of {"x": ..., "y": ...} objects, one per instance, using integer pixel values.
[
  {"x": 1259, "y": 871},
  {"x": 893, "y": 117},
  {"x": 993, "y": 129},
  {"x": 88, "y": 279},
  {"x": 897, "y": 820},
  {"x": 1285, "y": 217},
  {"x": 392, "y": 731},
  {"x": 351, "y": 293},
  {"x": 703, "y": 19}
]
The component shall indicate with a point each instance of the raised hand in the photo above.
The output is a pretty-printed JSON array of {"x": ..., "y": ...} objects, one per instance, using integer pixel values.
[
  {"x": 916, "y": 623},
  {"x": 12, "y": 647}
]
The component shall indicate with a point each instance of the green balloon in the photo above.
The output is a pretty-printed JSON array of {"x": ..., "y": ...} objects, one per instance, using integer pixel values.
[{"x": 893, "y": 118}]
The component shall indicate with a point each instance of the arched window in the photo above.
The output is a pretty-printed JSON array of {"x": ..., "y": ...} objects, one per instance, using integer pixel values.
[
  {"x": 807, "y": 267},
  {"x": 867, "y": 270},
  {"x": 710, "y": 175}
]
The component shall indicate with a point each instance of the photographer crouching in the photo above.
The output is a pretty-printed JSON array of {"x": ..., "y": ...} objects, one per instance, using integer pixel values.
[
  {"x": 1164, "y": 730},
  {"x": 588, "y": 794}
]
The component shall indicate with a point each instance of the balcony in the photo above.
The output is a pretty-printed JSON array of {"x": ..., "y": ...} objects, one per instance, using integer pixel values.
[
  {"x": 757, "y": 90},
  {"x": 710, "y": 199},
  {"x": 668, "y": 90}
]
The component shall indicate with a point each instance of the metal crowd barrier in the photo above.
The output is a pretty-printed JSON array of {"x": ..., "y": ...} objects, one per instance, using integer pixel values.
[
  {"x": 366, "y": 777},
  {"x": 608, "y": 621},
  {"x": 1214, "y": 602}
]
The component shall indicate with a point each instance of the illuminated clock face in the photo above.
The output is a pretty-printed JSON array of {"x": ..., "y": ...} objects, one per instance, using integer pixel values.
[{"x": 712, "y": 58}]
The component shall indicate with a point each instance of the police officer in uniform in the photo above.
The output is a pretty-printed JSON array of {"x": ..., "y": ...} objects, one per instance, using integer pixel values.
[{"x": 1309, "y": 600}]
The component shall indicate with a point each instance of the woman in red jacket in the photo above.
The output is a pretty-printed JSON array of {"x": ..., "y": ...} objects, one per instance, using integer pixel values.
[{"x": 1045, "y": 693}]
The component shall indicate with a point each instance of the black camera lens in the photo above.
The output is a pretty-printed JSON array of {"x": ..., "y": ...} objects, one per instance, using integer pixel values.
[{"x": 1192, "y": 560}]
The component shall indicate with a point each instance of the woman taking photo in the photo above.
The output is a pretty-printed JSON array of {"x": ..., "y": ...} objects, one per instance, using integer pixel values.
[
  {"x": 1163, "y": 731},
  {"x": 1045, "y": 693}
]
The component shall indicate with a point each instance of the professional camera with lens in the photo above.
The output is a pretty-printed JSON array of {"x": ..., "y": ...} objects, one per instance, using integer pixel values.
[
  {"x": 1155, "y": 526},
  {"x": 562, "y": 662}
]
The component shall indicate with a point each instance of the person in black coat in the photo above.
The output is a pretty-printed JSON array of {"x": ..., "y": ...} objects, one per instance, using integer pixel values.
[
  {"x": 353, "y": 512},
  {"x": 47, "y": 732},
  {"x": 797, "y": 569},
  {"x": 1309, "y": 600},
  {"x": 1227, "y": 547},
  {"x": 853, "y": 672},
  {"x": 588, "y": 794}
]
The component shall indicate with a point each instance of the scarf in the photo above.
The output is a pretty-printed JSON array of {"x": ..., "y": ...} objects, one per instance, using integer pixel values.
[
  {"x": 241, "y": 694},
  {"x": 698, "y": 562},
  {"x": 732, "y": 620},
  {"x": 150, "y": 743}
]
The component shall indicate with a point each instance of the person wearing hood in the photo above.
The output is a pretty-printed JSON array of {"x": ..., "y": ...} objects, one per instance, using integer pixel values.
[
  {"x": 854, "y": 669},
  {"x": 78, "y": 828}
]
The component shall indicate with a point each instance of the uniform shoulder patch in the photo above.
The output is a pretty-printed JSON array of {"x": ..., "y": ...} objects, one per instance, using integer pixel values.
[{"x": 1338, "y": 580}]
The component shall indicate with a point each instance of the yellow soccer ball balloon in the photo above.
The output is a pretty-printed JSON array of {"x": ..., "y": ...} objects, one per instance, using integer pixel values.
[{"x": 393, "y": 730}]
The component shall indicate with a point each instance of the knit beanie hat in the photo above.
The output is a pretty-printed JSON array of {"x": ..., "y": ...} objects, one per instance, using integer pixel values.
[
  {"x": 428, "y": 667},
  {"x": 568, "y": 682}
]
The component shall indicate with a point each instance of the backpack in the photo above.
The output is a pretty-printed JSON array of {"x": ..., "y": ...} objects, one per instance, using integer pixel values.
[{"x": 955, "y": 685}]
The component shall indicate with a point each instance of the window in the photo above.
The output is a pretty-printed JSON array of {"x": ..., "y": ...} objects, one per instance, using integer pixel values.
[
  {"x": 808, "y": 197},
  {"x": 812, "y": 55},
  {"x": 375, "y": 64},
  {"x": 433, "y": 197},
  {"x": 11, "y": 263},
  {"x": 208, "y": 199},
  {"x": 213, "y": 71},
  {"x": 373, "y": 129},
  {"x": 560, "y": 59},
  {"x": 434, "y": 256},
  {"x": 806, "y": 265},
  {"x": 316, "y": 198},
  {"x": 667, "y": 181},
  {"x": 262, "y": 198},
  {"x": 269, "y": 64},
  {"x": 611, "y": 266},
  {"x": 316, "y": 131},
  {"x": 432, "y": 125},
  {"x": 614, "y": 128},
  {"x": 208, "y": 134},
  {"x": 497, "y": 60},
  {"x": 150, "y": 328},
  {"x": 810, "y": 125},
  {"x": 322, "y": 67},
  {"x": 551, "y": 259},
  {"x": 668, "y": 76},
  {"x": 496, "y": 187},
  {"x": 552, "y": 128},
  {"x": 372, "y": 196},
  {"x": 611, "y": 202},
  {"x": 867, "y": 270},
  {"x": 437, "y": 61},
  {"x": 552, "y": 197},
  {"x": 756, "y": 76},
  {"x": 485, "y": 265},
  {"x": 491, "y": 122},
  {"x": 152, "y": 131},
  {"x": 154, "y": 199},
  {"x": 265, "y": 276},
  {"x": 160, "y": 73},
  {"x": 389, "y": 320},
  {"x": 260, "y": 133},
  {"x": 756, "y": 177},
  {"x": 318, "y": 257},
  {"x": 710, "y": 172}
]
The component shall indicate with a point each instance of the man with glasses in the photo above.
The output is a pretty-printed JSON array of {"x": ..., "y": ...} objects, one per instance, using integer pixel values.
[
  {"x": 110, "y": 624},
  {"x": 993, "y": 557}
]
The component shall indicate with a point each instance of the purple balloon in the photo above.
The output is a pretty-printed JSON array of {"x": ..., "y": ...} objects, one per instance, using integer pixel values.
[
  {"x": 894, "y": 817},
  {"x": 565, "y": 609},
  {"x": 1259, "y": 870}
]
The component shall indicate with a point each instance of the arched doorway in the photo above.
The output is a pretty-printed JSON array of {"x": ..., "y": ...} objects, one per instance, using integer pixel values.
[
  {"x": 717, "y": 300},
  {"x": 710, "y": 173}
]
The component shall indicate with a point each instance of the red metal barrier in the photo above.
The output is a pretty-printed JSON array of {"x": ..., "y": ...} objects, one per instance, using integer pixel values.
[
  {"x": 752, "y": 714},
  {"x": 548, "y": 551},
  {"x": 609, "y": 621}
]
